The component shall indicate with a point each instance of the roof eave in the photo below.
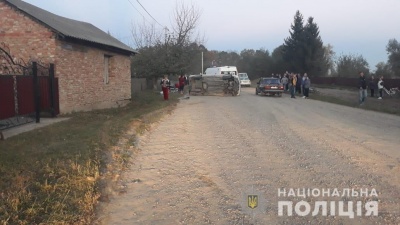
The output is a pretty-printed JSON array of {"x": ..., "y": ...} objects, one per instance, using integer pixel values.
[
  {"x": 62, "y": 36},
  {"x": 97, "y": 45}
]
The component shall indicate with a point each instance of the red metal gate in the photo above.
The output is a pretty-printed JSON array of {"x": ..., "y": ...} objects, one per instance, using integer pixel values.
[
  {"x": 27, "y": 90},
  {"x": 7, "y": 101}
]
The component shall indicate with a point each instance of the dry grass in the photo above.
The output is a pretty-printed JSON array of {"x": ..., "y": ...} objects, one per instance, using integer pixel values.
[
  {"x": 52, "y": 175},
  {"x": 387, "y": 105}
]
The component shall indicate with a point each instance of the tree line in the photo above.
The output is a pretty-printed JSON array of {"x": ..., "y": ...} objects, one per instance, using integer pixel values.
[{"x": 181, "y": 50}]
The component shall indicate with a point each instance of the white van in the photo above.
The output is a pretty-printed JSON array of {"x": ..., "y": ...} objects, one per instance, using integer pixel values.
[
  {"x": 244, "y": 79},
  {"x": 223, "y": 70}
]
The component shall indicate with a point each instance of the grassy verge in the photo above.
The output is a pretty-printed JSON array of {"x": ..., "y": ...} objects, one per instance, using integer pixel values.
[
  {"x": 333, "y": 86},
  {"x": 52, "y": 175},
  {"x": 390, "y": 105}
]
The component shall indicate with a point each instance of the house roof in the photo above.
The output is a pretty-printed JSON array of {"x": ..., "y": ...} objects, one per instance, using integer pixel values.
[{"x": 70, "y": 28}]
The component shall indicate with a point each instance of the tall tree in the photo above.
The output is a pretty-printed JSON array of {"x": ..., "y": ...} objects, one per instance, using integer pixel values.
[
  {"x": 383, "y": 69},
  {"x": 293, "y": 50},
  {"x": 229, "y": 58},
  {"x": 262, "y": 64},
  {"x": 316, "y": 62},
  {"x": 245, "y": 62},
  {"x": 351, "y": 65},
  {"x": 278, "y": 64},
  {"x": 393, "y": 49},
  {"x": 255, "y": 63},
  {"x": 303, "y": 51}
]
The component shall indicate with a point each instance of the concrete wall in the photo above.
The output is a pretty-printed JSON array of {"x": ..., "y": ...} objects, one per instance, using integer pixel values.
[{"x": 139, "y": 84}]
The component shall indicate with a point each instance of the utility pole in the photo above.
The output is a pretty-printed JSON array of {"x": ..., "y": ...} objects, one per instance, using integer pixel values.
[
  {"x": 166, "y": 35},
  {"x": 202, "y": 63},
  {"x": 166, "y": 63}
]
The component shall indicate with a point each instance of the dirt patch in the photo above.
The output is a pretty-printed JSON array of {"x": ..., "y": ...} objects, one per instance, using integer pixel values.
[{"x": 196, "y": 165}]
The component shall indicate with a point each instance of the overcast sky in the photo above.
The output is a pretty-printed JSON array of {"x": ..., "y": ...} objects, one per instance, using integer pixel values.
[{"x": 360, "y": 27}]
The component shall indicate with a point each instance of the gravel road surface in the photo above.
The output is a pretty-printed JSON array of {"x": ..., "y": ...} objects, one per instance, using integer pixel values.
[{"x": 200, "y": 164}]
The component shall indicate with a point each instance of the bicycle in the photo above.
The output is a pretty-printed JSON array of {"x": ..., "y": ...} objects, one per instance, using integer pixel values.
[{"x": 392, "y": 92}]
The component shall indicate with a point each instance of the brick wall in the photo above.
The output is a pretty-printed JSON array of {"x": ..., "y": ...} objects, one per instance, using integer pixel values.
[
  {"x": 81, "y": 78},
  {"x": 80, "y": 69},
  {"x": 26, "y": 38}
]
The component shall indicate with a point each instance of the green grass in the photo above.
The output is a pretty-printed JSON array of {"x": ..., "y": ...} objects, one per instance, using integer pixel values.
[
  {"x": 52, "y": 175},
  {"x": 334, "y": 86},
  {"x": 389, "y": 105}
]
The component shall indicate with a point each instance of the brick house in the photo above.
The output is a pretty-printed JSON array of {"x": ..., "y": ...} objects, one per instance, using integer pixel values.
[{"x": 92, "y": 67}]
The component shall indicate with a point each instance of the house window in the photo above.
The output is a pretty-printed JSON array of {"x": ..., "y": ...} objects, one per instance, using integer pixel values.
[{"x": 106, "y": 69}]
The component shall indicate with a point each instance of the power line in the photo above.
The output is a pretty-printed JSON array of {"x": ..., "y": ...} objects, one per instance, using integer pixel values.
[
  {"x": 149, "y": 13},
  {"x": 138, "y": 11}
]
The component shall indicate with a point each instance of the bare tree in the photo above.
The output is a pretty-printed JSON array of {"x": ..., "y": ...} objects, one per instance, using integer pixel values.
[
  {"x": 168, "y": 51},
  {"x": 186, "y": 18},
  {"x": 145, "y": 35}
]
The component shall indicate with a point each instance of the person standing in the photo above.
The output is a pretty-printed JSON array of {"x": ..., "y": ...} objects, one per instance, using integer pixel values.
[
  {"x": 164, "y": 85},
  {"x": 372, "y": 86},
  {"x": 298, "y": 83},
  {"x": 380, "y": 87},
  {"x": 302, "y": 83},
  {"x": 292, "y": 85},
  {"x": 284, "y": 82},
  {"x": 306, "y": 86},
  {"x": 181, "y": 83},
  {"x": 186, "y": 80},
  {"x": 362, "y": 86}
]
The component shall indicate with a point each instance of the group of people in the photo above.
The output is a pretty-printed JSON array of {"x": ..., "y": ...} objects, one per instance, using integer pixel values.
[
  {"x": 372, "y": 85},
  {"x": 166, "y": 85},
  {"x": 293, "y": 83}
]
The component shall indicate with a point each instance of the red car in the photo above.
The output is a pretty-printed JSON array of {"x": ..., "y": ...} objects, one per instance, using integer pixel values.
[{"x": 269, "y": 86}]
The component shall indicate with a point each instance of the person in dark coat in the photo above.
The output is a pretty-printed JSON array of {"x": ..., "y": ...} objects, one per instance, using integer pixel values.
[
  {"x": 362, "y": 86},
  {"x": 372, "y": 86},
  {"x": 298, "y": 83}
]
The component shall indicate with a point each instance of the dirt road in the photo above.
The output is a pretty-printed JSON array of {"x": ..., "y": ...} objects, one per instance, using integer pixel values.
[{"x": 200, "y": 164}]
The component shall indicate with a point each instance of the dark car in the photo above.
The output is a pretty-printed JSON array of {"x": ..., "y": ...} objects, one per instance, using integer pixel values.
[{"x": 269, "y": 86}]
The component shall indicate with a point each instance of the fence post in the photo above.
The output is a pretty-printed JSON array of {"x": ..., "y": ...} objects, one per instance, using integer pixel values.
[
  {"x": 36, "y": 92},
  {"x": 51, "y": 90}
]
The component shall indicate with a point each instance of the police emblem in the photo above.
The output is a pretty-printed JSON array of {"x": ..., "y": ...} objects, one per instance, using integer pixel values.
[{"x": 252, "y": 201}]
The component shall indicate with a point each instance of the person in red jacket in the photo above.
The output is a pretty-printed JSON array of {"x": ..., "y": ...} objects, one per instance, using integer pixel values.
[
  {"x": 181, "y": 83},
  {"x": 164, "y": 85}
]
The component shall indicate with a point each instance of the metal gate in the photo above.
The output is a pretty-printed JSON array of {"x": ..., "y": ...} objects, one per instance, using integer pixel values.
[{"x": 27, "y": 90}]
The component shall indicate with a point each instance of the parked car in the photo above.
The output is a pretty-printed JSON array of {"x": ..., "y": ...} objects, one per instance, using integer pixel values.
[
  {"x": 244, "y": 79},
  {"x": 269, "y": 86}
]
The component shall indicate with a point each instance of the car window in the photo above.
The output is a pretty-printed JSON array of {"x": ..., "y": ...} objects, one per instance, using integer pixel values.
[{"x": 270, "y": 81}]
